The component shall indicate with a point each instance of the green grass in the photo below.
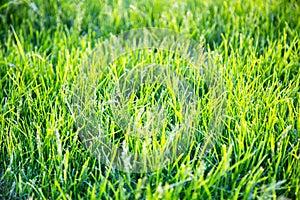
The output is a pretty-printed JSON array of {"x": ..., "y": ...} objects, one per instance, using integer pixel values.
[{"x": 253, "y": 45}]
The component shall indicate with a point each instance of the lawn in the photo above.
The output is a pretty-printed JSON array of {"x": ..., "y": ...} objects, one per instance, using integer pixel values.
[{"x": 137, "y": 99}]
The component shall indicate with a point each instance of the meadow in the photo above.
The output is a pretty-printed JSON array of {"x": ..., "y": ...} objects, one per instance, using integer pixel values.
[{"x": 239, "y": 119}]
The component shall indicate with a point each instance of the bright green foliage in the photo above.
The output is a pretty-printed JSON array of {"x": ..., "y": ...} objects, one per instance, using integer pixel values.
[{"x": 254, "y": 43}]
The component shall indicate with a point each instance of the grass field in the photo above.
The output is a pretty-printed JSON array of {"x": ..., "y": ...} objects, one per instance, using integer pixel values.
[{"x": 254, "y": 48}]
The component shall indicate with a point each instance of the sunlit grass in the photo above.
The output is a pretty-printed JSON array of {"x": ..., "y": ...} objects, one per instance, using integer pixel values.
[{"x": 255, "y": 47}]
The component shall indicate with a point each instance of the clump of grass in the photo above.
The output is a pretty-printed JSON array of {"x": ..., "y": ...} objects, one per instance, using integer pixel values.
[{"x": 254, "y": 44}]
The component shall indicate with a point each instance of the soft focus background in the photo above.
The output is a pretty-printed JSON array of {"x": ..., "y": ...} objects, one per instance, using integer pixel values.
[{"x": 42, "y": 45}]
